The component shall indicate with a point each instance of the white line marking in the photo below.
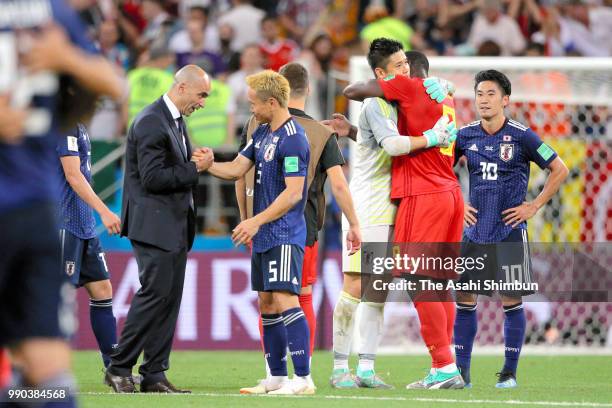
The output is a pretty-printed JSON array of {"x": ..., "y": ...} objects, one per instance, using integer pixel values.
[{"x": 358, "y": 397}]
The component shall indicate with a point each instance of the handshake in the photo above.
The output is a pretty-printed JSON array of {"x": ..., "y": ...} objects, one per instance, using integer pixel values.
[{"x": 203, "y": 158}]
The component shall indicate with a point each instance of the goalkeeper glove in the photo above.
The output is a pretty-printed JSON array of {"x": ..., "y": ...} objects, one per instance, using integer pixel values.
[
  {"x": 438, "y": 89},
  {"x": 442, "y": 134}
]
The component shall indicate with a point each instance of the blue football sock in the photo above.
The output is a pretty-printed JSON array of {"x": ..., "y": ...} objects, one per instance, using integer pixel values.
[
  {"x": 466, "y": 325},
  {"x": 298, "y": 340},
  {"x": 104, "y": 326},
  {"x": 514, "y": 335},
  {"x": 275, "y": 343}
]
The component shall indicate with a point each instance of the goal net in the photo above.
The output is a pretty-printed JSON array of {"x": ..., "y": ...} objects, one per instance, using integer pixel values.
[{"x": 568, "y": 102}]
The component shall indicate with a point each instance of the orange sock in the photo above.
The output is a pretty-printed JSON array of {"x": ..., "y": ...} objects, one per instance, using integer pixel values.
[
  {"x": 5, "y": 369},
  {"x": 434, "y": 332}
]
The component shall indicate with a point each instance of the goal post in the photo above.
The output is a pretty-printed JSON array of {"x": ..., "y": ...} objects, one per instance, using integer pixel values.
[{"x": 568, "y": 102}]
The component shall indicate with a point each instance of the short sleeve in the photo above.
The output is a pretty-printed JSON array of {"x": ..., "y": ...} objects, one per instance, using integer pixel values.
[
  {"x": 382, "y": 119},
  {"x": 397, "y": 87},
  {"x": 68, "y": 145},
  {"x": 295, "y": 154},
  {"x": 248, "y": 150},
  {"x": 538, "y": 151},
  {"x": 331, "y": 155}
]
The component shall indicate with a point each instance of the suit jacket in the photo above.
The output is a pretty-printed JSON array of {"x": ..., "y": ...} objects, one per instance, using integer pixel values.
[{"x": 159, "y": 181}]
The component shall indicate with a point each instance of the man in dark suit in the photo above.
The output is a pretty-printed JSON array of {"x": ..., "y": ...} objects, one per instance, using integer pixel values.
[{"x": 158, "y": 216}]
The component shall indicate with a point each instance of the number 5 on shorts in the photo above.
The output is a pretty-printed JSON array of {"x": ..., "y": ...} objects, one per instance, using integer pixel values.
[{"x": 273, "y": 270}]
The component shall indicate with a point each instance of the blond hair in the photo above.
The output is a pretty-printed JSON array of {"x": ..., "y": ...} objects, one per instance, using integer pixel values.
[{"x": 270, "y": 84}]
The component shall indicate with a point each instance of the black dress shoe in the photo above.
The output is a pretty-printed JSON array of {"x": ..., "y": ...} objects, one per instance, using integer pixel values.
[
  {"x": 120, "y": 384},
  {"x": 163, "y": 386}
]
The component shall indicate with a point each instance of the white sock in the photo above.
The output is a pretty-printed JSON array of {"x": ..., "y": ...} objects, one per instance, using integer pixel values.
[
  {"x": 370, "y": 328},
  {"x": 274, "y": 382},
  {"x": 341, "y": 363},
  {"x": 365, "y": 364},
  {"x": 268, "y": 373},
  {"x": 343, "y": 322},
  {"x": 450, "y": 368}
]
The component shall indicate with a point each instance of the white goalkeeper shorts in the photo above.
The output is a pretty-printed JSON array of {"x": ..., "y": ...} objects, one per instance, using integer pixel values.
[{"x": 374, "y": 233}]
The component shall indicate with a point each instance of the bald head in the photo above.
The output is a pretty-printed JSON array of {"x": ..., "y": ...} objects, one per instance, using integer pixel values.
[
  {"x": 190, "y": 73},
  {"x": 191, "y": 87}
]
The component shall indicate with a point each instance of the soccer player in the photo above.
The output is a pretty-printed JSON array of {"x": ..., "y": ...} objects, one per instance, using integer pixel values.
[
  {"x": 83, "y": 261},
  {"x": 498, "y": 152},
  {"x": 327, "y": 161},
  {"x": 43, "y": 37},
  {"x": 280, "y": 152},
  {"x": 431, "y": 205},
  {"x": 378, "y": 141}
]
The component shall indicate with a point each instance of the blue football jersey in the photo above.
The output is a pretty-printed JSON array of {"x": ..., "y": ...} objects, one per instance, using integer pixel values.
[
  {"x": 499, "y": 173},
  {"x": 276, "y": 155},
  {"x": 28, "y": 169},
  {"x": 75, "y": 215}
]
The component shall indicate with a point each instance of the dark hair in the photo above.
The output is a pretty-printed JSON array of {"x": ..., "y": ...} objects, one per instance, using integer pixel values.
[
  {"x": 489, "y": 48},
  {"x": 495, "y": 76},
  {"x": 204, "y": 10},
  {"x": 297, "y": 76},
  {"x": 380, "y": 51},
  {"x": 417, "y": 62},
  {"x": 269, "y": 17},
  {"x": 75, "y": 103}
]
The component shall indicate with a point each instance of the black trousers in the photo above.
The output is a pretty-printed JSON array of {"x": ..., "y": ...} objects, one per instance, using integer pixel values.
[{"x": 151, "y": 319}]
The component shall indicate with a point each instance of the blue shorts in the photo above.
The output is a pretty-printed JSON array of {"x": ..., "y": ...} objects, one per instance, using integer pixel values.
[
  {"x": 506, "y": 262},
  {"x": 278, "y": 269},
  {"x": 82, "y": 259},
  {"x": 35, "y": 300}
]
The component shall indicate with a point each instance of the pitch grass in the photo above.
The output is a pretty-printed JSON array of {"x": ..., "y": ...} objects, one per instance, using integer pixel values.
[{"x": 216, "y": 377}]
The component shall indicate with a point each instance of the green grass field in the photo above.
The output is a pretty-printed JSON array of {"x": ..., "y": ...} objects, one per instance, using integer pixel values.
[{"x": 216, "y": 377}]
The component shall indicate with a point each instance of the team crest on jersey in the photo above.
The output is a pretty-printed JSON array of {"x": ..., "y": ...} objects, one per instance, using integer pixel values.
[
  {"x": 506, "y": 151},
  {"x": 269, "y": 153},
  {"x": 70, "y": 268}
]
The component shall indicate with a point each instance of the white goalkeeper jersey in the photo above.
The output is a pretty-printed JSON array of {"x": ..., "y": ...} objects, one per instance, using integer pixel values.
[{"x": 371, "y": 169}]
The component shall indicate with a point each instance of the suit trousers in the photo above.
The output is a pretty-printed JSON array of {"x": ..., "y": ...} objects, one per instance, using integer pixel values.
[{"x": 151, "y": 320}]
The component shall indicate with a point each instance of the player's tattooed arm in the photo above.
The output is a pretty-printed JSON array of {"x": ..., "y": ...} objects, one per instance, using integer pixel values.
[
  {"x": 516, "y": 215},
  {"x": 359, "y": 91}
]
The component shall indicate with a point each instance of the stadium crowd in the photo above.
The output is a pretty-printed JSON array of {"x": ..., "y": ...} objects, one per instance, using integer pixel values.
[{"x": 150, "y": 39}]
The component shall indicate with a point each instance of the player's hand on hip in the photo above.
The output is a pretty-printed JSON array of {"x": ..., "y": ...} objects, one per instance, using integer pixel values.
[
  {"x": 516, "y": 215},
  {"x": 111, "y": 222},
  {"x": 244, "y": 232},
  {"x": 339, "y": 123},
  {"x": 12, "y": 121},
  {"x": 353, "y": 239},
  {"x": 443, "y": 133},
  {"x": 438, "y": 89},
  {"x": 469, "y": 215}
]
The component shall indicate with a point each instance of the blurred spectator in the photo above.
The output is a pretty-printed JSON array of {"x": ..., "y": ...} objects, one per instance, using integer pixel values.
[
  {"x": 275, "y": 50},
  {"x": 110, "y": 118},
  {"x": 108, "y": 41},
  {"x": 527, "y": 14},
  {"x": 231, "y": 58},
  {"x": 160, "y": 25},
  {"x": 251, "y": 61},
  {"x": 590, "y": 27},
  {"x": 180, "y": 41},
  {"x": 198, "y": 54},
  {"x": 245, "y": 20},
  {"x": 150, "y": 80},
  {"x": 317, "y": 59},
  {"x": 381, "y": 24},
  {"x": 535, "y": 49},
  {"x": 489, "y": 49},
  {"x": 298, "y": 16},
  {"x": 492, "y": 24},
  {"x": 214, "y": 126}
]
